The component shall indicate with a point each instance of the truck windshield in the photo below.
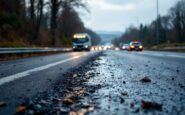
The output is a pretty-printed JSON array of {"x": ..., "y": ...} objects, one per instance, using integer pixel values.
[{"x": 80, "y": 40}]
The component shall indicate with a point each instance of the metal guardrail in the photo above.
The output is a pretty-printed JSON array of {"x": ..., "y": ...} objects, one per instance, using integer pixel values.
[{"x": 4, "y": 51}]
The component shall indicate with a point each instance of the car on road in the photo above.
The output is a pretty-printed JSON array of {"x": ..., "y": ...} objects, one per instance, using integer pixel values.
[
  {"x": 96, "y": 48},
  {"x": 81, "y": 41},
  {"x": 125, "y": 47},
  {"x": 135, "y": 46}
]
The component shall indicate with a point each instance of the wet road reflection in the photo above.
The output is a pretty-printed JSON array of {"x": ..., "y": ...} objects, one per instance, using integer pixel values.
[{"x": 123, "y": 92}]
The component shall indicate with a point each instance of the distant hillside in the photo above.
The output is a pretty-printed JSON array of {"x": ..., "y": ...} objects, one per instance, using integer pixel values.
[
  {"x": 107, "y": 37},
  {"x": 96, "y": 39}
]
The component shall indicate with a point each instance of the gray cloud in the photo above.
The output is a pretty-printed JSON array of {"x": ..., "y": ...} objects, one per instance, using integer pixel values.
[{"x": 116, "y": 15}]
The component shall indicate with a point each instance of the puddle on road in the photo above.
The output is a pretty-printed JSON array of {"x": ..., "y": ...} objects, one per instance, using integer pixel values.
[{"x": 122, "y": 91}]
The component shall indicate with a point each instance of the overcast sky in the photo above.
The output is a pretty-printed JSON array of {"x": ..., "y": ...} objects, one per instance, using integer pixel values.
[{"x": 116, "y": 15}]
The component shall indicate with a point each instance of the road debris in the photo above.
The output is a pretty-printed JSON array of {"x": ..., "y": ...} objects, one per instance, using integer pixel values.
[
  {"x": 68, "y": 96},
  {"x": 3, "y": 104},
  {"x": 132, "y": 104},
  {"x": 111, "y": 88},
  {"x": 122, "y": 100},
  {"x": 72, "y": 113},
  {"x": 146, "y": 79},
  {"x": 20, "y": 109},
  {"x": 124, "y": 93},
  {"x": 68, "y": 101},
  {"x": 151, "y": 105}
]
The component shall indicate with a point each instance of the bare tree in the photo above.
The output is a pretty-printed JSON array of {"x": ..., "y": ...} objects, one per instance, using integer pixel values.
[
  {"x": 55, "y": 5},
  {"x": 177, "y": 14},
  {"x": 40, "y": 6},
  {"x": 32, "y": 11}
]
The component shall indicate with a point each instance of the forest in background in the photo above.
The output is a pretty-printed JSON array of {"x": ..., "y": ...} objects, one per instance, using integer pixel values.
[
  {"x": 171, "y": 29},
  {"x": 41, "y": 23}
]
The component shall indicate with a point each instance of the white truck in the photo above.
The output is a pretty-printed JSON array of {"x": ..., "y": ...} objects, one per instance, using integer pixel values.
[{"x": 81, "y": 41}]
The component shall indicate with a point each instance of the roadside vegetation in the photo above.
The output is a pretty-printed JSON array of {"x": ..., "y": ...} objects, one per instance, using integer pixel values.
[
  {"x": 39, "y": 23},
  {"x": 171, "y": 28}
]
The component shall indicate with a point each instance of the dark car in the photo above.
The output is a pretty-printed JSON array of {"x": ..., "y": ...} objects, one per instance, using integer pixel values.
[{"x": 135, "y": 46}]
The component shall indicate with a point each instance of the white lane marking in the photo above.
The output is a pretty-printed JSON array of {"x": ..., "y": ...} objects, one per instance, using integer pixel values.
[
  {"x": 164, "y": 55},
  {"x": 28, "y": 72},
  {"x": 159, "y": 54},
  {"x": 177, "y": 56}
]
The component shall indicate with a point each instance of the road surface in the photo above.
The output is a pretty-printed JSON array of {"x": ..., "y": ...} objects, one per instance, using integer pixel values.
[
  {"x": 125, "y": 91},
  {"x": 24, "y": 78},
  {"x": 117, "y": 82}
]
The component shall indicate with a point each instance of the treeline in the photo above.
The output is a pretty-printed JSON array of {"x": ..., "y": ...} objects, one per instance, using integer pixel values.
[
  {"x": 41, "y": 22},
  {"x": 171, "y": 29}
]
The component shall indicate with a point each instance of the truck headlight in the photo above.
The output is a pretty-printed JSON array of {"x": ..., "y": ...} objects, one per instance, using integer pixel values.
[
  {"x": 86, "y": 46},
  {"x": 140, "y": 47}
]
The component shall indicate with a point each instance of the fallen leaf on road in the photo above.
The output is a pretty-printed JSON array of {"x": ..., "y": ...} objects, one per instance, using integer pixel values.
[
  {"x": 72, "y": 113},
  {"x": 20, "y": 109},
  {"x": 92, "y": 91},
  {"x": 151, "y": 105},
  {"x": 68, "y": 101},
  {"x": 145, "y": 79},
  {"x": 82, "y": 112},
  {"x": 124, "y": 93},
  {"x": 2, "y": 104}
]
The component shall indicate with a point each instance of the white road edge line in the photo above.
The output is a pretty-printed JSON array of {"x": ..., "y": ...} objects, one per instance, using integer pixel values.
[
  {"x": 28, "y": 72},
  {"x": 177, "y": 56},
  {"x": 166, "y": 55},
  {"x": 161, "y": 55}
]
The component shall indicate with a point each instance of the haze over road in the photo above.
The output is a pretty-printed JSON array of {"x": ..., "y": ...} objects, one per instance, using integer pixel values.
[{"x": 25, "y": 78}]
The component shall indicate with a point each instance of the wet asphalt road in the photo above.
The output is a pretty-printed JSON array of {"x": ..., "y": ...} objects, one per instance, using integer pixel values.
[
  {"x": 38, "y": 80},
  {"x": 122, "y": 91},
  {"x": 117, "y": 74}
]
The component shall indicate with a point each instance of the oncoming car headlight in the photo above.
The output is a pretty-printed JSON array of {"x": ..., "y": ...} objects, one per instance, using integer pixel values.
[{"x": 131, "y": 46}]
